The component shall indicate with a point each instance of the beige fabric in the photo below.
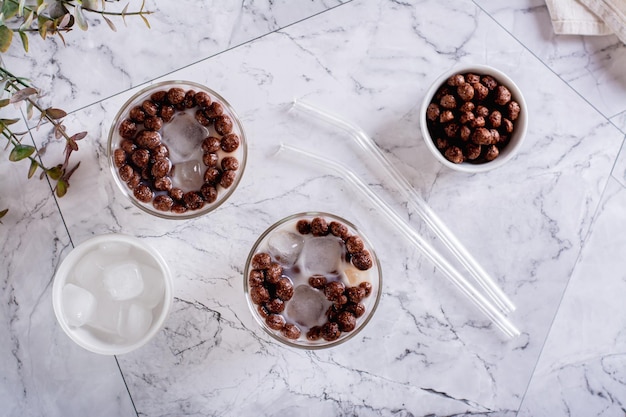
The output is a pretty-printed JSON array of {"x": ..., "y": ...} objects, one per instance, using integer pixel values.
[
  {"x": 612, "y": 13},
  {"x": 588, "y": 17}
]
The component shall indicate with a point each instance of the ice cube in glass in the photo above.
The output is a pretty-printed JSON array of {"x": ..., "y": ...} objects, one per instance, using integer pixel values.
[
  {"x": 321, "y": 255},
  {"x": 184, "y": 135},
  {"x": 134, "y": 322},
  {"x": 78, "y": 305},
  {"x": 307, "y": 307},
  {"x": 285, "y": 247},
  {"x": 123, "y": 281},
  {"x": 188, "y": 175}
]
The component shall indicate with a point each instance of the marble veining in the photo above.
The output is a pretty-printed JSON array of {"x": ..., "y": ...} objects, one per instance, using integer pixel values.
[{"x": 546, "y": 226}]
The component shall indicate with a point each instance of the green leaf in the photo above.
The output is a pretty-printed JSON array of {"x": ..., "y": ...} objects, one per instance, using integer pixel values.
[
  {"x": 6, "y": 36},
  {"x": 80, "y": 17},
  {"x": 28, "y": 21},
  {"x": 24, "y": 39},
  {"x": 4, "y": 102},
  {"x": 55, "y": 172},
  {"x": 61, "y": 188},
  {"x": 33, "y": 168},
  {"x": 55, "y": 113},
  {"x": 9, "y": 9},
  {"x": 20, "y": 8},
  {"x": 20, "y": 152}
]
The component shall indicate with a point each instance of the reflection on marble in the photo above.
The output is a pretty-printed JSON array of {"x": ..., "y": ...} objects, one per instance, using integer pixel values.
[{"x": 427, "y": 351}]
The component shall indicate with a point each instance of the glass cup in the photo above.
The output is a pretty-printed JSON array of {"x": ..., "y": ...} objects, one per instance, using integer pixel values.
[
  {"x": 112, "y": 294},
  {"x": 312, "y": 280},
  {"x": 177, "y": 159}
]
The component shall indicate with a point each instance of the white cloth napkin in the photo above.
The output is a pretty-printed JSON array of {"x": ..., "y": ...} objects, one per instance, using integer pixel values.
[{"x": 588, "y": 17}]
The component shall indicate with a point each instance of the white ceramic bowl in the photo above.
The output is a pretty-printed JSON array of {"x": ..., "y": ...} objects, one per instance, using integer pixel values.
[
  {"x": 297, "y": 271},
  {"x": 190, "y": 154},
  {"x": 520, "y": 125},
  {"x": 100, "y": 302}
]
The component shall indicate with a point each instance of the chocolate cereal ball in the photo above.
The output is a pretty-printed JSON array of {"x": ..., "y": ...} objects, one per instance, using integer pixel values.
[
  {"x": 228, "y": 178},
  {"x": 148, "y": 139},
  {"x": 208, "y": 192},
  {"x": 230, "y": 163},
  {"x": 202, "y": 99},
  {"x": 340, "y": 230},
  {"x": 256, "y": 278},
  {"x": 291, "y": 331},
  {"x": 303, "y": 226},
  {"x": 362, "y": 260},
  {"x": 346, "y": 321},
  {"x": 330, "y": 331},
  {"x": 230, "y": 142},
  {"x": 201, "y": 118},
  {"x": 193, "y": 200},
  {"x": 273, "y": 272},
  {"x": 163, "y": 202},
  {"x": 210, "y": 159},
  {"x": 223, "y": 124},
  {"x": 261, "y": 260},
  {"x": 143, "y": 193},
  {"x": 319, "y": 227},
  {"x": 119, "y": 157},
  {"x": 175, "y": 95},
  {"x": 275, "y": 306},
  {"x": 284, "y": 289},
  {"x": 211, "y": 144},
  {"x": 128, "y": 129},
  {"x": 314, "y": 333},
  {"x": 259, "y": 295},
  {"x": 275, "y": 321},
  {"x": 153, "y": 123},
  {"x": 334, "y": 290},
  {"x": 318, "y": 281},
  {"x": 354, "y": 244}
]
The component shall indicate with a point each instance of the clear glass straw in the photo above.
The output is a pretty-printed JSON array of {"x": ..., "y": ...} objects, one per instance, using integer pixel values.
[
  {"x": 441, "y": 263},
  {"x": 417, "y": 204}
]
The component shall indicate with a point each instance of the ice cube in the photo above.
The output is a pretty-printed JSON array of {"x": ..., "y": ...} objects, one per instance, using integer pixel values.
[
  {"x": 285, "y": 247},
  {"x": 307, "y": 306},
  {"x": 123, "y": 280},
  {"x": 153, "y": 287},
  {"x": 78, "y": 305},
  {"x": 107, "y": 315},
  {"x": 135, "y": 322},
  {"x": 188, "y": 175},
  {"x": 321, "y": 255},
  {"x": 184, "y": 135}
]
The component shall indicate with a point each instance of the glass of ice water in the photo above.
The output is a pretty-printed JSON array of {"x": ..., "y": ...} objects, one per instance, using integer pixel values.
[
  {"x": 312, "y": 280},
  {"x": 112, "y": 293}
]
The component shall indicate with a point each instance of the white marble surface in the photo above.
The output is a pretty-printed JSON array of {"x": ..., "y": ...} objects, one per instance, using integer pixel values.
[{"x": 548, "y": 226}]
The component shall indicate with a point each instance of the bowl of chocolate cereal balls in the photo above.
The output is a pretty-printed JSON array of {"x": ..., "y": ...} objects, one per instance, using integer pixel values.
[
  {"x": 177, "y": 149},
  {"x": 312, "y": 280},
  {"x": 473, "y": 118}
]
